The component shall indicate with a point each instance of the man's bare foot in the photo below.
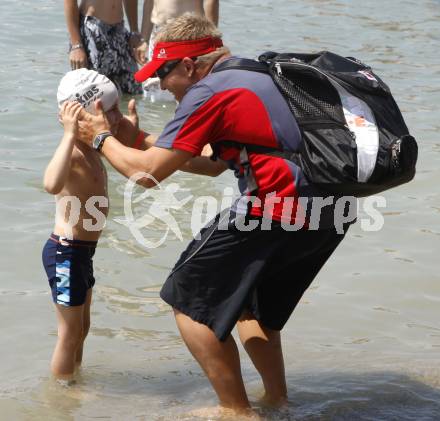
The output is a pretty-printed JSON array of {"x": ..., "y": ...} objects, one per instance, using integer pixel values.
[
  {"x": 64, "y": 379},
  {"x": 65, "y": 382},
  {"x": 273, "y": 401},
  {"x": 222, "y": 413}
]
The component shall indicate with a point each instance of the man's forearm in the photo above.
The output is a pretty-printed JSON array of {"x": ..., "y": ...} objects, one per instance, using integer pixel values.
[
  {"x": 124, "y": 159},
  {"x": 143, "y": 141},
  {"x": 154, "y": 164},
  {"x": 203, "y": 165}
]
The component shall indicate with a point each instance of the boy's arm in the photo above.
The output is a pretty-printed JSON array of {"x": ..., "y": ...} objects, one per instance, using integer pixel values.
[
  {"x": 57, "y": 171},
  {"x": 58, "y": 168},
  {"x": 211, "y": 8},
  {"x": 77, "y": 56}
]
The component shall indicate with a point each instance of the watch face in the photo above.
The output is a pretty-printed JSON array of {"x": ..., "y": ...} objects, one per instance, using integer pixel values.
[
  {"x": 96, "y": 142},
  {"x": 99, "y": 140}
]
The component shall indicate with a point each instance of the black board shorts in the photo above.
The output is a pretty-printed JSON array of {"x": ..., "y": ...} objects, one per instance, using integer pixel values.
[
  {"x": 109, "y": 52},
  {"x": 227, "y": 272}
]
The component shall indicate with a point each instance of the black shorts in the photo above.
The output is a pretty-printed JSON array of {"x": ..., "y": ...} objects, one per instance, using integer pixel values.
[
  {"x": 228, "y": 271},
  {"x": 109, "y": 52}
]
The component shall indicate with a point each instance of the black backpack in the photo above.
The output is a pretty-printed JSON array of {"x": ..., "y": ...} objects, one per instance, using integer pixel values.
[{"x": 320, "y": 89}]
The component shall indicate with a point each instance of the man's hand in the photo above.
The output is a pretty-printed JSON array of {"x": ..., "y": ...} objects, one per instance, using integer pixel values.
[
  {"x": 128, "y": 128},
  {"x": 90, "y": 125},
  {"x": 78, "y": 58}
]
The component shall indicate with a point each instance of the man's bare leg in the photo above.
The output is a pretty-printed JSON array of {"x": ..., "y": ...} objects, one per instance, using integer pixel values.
[
  {"x": 86, "y": 326},
  {"x": 70, "y": 333},
  {"x": 219, "y": 360},
  {"x": 264, "y": 348}
]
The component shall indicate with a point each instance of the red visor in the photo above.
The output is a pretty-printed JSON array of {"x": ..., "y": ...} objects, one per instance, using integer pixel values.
[{"x": 166, "y": 51}]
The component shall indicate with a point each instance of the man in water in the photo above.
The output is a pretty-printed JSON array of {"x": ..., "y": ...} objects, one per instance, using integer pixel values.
[
  {"x": 244, "y": 269},
  {"x": 100, "y": 41}
]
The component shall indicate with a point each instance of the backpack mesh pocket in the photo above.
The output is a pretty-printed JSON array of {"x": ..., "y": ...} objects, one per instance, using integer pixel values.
[{"x": 309, "y": 98}]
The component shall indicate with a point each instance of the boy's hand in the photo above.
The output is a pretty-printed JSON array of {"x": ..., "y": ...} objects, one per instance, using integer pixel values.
[
  {"x": 90, "y": 125},
  {"x": 128, "y": 128},
  {"x": 69, "y": 114}
]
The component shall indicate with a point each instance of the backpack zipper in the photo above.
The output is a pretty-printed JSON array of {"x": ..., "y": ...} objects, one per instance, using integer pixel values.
[{"x": 395, "y": 152}]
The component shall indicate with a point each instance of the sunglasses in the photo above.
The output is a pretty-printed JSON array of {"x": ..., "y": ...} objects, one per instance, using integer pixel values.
[{"x": 163, "y": 71}]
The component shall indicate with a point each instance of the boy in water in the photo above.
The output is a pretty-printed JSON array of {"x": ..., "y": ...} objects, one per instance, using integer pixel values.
[{"x": 78, "y": 178}]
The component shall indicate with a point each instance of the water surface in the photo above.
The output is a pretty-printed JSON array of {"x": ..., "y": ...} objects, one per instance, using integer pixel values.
[{"x": 364, "y": 342}]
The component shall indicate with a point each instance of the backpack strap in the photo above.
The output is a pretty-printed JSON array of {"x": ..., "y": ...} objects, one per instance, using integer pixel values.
[
  {"x": 245, "y": 148},
  {"x": 261, "y": 66},
  {"x": 263, "y": 150},
  {"x": 241, "y": 64}
]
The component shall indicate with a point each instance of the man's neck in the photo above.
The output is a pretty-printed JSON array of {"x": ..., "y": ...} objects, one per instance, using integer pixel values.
[{"x": 213, "y": 64}]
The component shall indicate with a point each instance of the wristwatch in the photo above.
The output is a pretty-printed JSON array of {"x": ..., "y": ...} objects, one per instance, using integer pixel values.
[
  {"x": 76, "y": 47},
  {"x": 99, "y": 139}
]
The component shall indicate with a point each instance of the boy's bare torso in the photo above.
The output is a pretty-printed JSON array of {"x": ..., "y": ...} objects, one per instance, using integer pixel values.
[
  {"x": 87, "y": 178},
  {"x": 109, "y": 11},
  {"x": 169, "y": 9}
]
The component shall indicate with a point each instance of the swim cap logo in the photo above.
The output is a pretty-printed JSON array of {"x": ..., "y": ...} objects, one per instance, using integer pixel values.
[
  {"x": 162, "y": 53},
  {"x": 89, "y": 96}
]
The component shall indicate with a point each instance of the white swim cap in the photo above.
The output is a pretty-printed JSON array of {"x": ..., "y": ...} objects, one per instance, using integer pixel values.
[{"x": 86, "y": 86}]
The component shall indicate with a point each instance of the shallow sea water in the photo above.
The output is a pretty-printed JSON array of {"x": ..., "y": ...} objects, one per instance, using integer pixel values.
[{"x": 364, "y": 342}]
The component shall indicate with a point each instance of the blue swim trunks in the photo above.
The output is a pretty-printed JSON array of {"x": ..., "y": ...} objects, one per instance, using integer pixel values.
[{"x": 69, "y": 268}]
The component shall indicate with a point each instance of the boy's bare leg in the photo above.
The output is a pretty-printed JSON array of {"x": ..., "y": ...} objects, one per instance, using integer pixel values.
[
  {"x": 86, "y": 326},
  {"x": 70, "y": 333},
  {"x": 219, "y": 360},
  {"x": 264, "y": 348}
]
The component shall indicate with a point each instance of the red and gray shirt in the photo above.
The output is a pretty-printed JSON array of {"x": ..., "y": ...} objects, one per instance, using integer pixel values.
[{"x": 245, "y": 107}]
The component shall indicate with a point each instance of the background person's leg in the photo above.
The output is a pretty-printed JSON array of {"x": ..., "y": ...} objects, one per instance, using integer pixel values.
[
  {"x": 219, "y": 360},
  {"x": 264, "y": 348},
  {"x": 70, "y": 334}
]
